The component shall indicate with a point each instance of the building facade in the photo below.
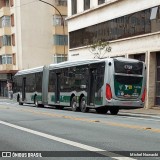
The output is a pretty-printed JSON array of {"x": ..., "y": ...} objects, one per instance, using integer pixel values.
[
  {"x": 131, "y": 26},
  {"x": 32, "y": 34}
]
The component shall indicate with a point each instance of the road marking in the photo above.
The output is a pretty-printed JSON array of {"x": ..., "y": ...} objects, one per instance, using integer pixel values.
[
  {"x": 140, "y": 115},
  {"x": 156, "y": 130},
  {"x": 148, "y": 118},
  {"x": 137, "y": 127},
  {"x": 65, "y": 141}
]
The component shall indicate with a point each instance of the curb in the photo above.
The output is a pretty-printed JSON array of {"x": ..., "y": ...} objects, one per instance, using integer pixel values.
[{"x": 151, "y": 112}]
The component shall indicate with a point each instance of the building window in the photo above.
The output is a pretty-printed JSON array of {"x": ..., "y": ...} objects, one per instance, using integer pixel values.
[
  {"x": 74, "y": 7},
  {"x": 5, "y": 21},
  {"x": 59, "y": 58},
  {"x": 158, "y": 13},
  {"x": 4, "y": 3},
  {"x": 140, "y": 57},
  {"x": 153, "y": 13},
  {"x": 58, "y": 21},
  {"x": 60, "y": 40},
  {"x": 5, "y": 40},
  {"x": 61, "y": 2},
  {"x": 134, "y": 24},
  {"x": 101, "y": 1},
  {"x": 86, "y": 4},
  {"x": 7, "y": 3},
  {"x": 6, "y": 59}
]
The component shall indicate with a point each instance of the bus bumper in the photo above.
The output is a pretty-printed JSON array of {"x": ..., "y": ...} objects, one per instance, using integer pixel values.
[{"x": 125, "y": 104}]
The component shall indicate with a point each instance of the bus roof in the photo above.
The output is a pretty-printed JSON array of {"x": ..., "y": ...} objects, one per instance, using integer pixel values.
[
  {"x": 74, "y": 63},
  {"x": 32, "y": 70},
  {"x": 83, "y": 62}
]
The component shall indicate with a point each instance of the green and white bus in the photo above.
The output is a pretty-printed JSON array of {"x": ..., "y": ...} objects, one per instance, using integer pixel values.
[
  {"x": 28, "y": 86},
  {"x": 100, "y": 84}
]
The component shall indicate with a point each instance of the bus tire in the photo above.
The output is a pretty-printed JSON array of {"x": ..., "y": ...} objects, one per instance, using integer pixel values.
[
  {"x": 102, "y": 110},
  {"x": 74, "y": 104},
  {"x": 114, "y": 110},
  {"x": 20, "y": 103},
  {"x": 59, "y": 107},
  {"x": 83, "y": 105},
  {"x": 18, "y": 100}
]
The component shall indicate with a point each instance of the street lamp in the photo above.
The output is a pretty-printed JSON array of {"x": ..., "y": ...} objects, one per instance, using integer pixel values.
[{"x": 61, "y": 19}]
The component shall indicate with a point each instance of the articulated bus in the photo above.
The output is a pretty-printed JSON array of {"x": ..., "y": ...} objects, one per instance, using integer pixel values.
[
  {"x": 102, "y": 84},
  {"x": 28, "y": 86}
]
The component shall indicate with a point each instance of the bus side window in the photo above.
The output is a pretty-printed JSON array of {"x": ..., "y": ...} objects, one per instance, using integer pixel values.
[
  {"x": 51, "y": 86},
  {"x": 38, "y": 82}
]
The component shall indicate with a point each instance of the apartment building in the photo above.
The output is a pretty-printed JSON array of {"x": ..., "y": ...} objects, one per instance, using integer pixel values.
[
  {"x": 32, "y": 34},
  {"x": 131, "y": 26}
]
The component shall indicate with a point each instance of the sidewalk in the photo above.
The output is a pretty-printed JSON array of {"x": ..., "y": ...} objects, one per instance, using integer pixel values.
[
  {"x": 152, "y": 111},
  {"x": 5, "y": 99}
]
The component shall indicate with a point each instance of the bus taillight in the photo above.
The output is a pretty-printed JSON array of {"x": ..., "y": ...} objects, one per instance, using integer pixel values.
[
  {"x": 143, "y": 95},
  {"x": 108, "y": 92}
]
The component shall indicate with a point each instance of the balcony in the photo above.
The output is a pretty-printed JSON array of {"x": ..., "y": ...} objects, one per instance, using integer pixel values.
[
  {"x": 6, "y": 49},
  {"x": 7, "y": 67},
  {"x": 60, "y": 49},
  {"x": 5, "y": 31},
  {"x": 4, "y": 11},
  {"x": 59, "y": 30}
]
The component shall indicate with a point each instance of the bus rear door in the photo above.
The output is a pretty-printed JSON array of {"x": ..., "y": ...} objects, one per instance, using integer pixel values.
[
  {"x": 23, "y": 89},
  {"x": 57, "y": 89},
  {"x": 92, "y": 86}
]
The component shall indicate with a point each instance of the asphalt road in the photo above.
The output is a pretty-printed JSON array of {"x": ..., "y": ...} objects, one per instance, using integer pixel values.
[{"x": 72, "y": 135}]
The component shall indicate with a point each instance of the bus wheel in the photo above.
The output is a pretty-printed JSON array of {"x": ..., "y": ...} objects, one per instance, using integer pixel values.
[
  {"x": 59, "y": 107},
  {"x": 20, "y": 103},
  {"x": 18, "y": 100},
  {"x": 102, "y": 110},
  {"x": 74, "y": 104},
  {"x": 114, "y": 110},
  {"x": 83, "y": 105}
]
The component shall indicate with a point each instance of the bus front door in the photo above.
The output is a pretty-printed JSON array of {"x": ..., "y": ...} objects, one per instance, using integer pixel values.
[
  {"x": 57, "y": 91},
  {"x": 92, "y": 87},
  {"x": 23, "y": 89}
]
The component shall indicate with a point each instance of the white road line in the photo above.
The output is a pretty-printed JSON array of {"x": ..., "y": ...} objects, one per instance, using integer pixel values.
[
  {"x": 65, "y": 141},
  {"x": 141, "y": 118},
  {"x": 140, "y": 115}
]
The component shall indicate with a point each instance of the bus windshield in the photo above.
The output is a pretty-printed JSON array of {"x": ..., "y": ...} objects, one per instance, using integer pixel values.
[
  {"x": 128, "y": 79},
  {"x": 128, "y": 67}
]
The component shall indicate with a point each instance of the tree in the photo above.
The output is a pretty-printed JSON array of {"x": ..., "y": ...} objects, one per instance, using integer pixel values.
[{"x": 99, "y": 48}]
